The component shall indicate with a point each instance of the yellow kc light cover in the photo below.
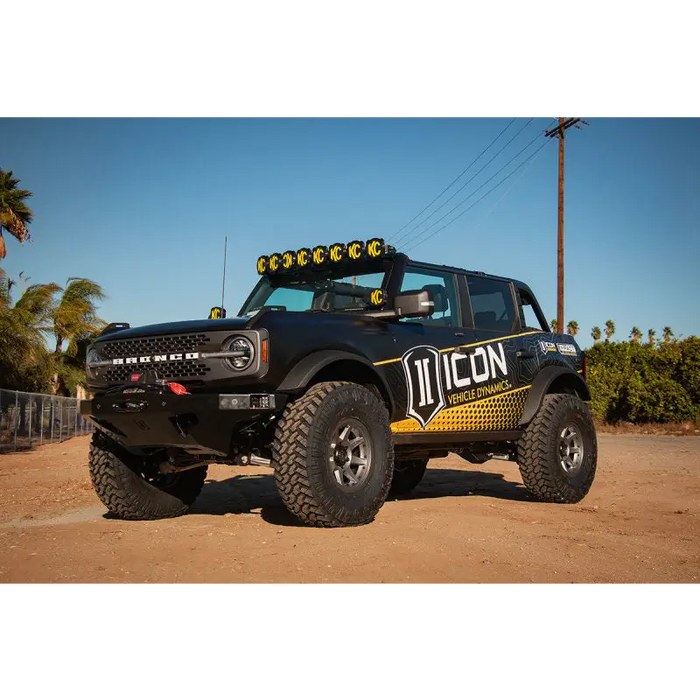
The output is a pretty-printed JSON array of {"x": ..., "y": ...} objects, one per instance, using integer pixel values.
[
  {"x": 274, "y": 262},
  {"x": 320, "y": 255}
]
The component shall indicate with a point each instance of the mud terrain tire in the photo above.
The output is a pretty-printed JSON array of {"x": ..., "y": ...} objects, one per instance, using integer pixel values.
[{"x": 407, "y": 475}]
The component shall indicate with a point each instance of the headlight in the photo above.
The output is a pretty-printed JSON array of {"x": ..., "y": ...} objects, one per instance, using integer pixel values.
[
  {"x": 242, "y": 345},
  {"x": 94, "y": 359}
]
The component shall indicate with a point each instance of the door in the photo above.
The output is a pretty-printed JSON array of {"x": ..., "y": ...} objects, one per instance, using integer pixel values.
[
  {"x": 504, "y": 357},
  {"x": 424, "y": 374}
]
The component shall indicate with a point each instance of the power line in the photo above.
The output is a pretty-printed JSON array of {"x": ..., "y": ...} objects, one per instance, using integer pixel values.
[
  {"x": 486, "y": 194},
  {"x": 456, "y": 192},
  {"x": 469, "y": 196},
  {"x": 408, "y": 223},
  {"x": 530, "y": 162}
]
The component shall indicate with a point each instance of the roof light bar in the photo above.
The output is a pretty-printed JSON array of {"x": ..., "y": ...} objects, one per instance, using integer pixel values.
[{"x": 320, "y": 256}]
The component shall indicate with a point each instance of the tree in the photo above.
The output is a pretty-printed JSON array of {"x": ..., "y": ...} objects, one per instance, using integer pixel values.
[
  {"x": 555, "y": 326},
  {"x": 667, "y": 334},
  {"x": 635, "y": 334},
  {"x": 75, "y": 316},
  {"x": 651, "y": 334},
  {"x": 572, "y": 328},
  {"x": 25, "y": 362},
  {"x": 609, "y": 330},
  {"x": 595, "y": 333},
  {"x": 14, "y": 213}
]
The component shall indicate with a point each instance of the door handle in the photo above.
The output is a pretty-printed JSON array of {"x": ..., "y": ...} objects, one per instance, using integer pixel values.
[{"x": 525, "y": 355}]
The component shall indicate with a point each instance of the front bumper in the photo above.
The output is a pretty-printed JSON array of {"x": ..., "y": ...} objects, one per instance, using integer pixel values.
[{"x": 156, "y": 417}]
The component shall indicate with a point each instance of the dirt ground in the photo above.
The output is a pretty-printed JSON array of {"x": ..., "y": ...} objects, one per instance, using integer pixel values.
[{"x": 464, "y": 523}]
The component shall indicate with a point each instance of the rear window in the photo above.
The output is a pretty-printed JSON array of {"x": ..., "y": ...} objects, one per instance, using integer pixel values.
[{"x": 492, "y": 304}]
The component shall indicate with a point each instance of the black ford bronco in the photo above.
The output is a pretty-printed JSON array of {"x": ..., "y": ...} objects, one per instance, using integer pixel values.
[{"x": 346, "y": 370}]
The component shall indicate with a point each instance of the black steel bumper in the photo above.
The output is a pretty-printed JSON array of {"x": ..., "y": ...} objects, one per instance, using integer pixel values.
[{"x": 160, "y": 418}]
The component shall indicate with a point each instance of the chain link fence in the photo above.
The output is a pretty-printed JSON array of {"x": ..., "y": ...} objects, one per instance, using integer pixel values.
[{"x": 28, "y": 420}]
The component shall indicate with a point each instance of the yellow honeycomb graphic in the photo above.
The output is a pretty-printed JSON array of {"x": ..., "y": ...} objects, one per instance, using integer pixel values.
[{"x": 500, "y": 412}]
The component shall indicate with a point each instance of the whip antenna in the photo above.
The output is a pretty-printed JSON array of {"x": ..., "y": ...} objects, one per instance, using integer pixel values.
[{"x": 223, "y": 284}]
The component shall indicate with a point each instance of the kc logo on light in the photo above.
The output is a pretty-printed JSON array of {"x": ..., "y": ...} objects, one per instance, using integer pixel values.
[
  {"x": 355, "y": 250},
  {"x": 336, "y": 252},
  {"x": 374, "y": 248},
  {"x": 303, "y": 257},
  {"x": 288, "y": 259},
  {"x": 319, "y": 255},
  {"x": 262, "y": 264},
  {"x": 376, "y": 298}
]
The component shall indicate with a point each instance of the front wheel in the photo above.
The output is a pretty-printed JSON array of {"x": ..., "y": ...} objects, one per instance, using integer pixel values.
[
  {"x": 131, "y": 492},
  {"x": 558, "y": 451},
  {"x": 333, "y": 455}
]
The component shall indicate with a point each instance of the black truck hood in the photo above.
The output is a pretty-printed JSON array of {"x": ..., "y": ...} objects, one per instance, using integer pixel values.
[{"x": 194, "y": 326}]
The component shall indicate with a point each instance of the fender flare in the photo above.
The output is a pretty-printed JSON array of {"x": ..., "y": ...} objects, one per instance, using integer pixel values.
[
  {"x": 541, "y": 385},
  {"x": 308, "y": 367}
]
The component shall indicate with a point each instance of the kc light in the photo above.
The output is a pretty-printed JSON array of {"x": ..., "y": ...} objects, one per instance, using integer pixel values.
[
  {"x": 275, "y": 262},
  {"x": 304, "y": 257},
  {"x": 356, "y": 250},
  {"x": 337, "y": 252},
  {"x": 289, "y": 259},
  {"x": 320, "y": 255},
  {"x": 375, "y": 247}
]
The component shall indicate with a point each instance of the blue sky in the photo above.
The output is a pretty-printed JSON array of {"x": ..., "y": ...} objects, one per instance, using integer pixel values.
[{"x": 142, "y": 207}]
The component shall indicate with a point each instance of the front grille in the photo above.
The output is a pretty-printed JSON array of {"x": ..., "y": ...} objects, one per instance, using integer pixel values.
[
  {"x": 157, "y": 345},
  {"x": 186, "y": 369}
]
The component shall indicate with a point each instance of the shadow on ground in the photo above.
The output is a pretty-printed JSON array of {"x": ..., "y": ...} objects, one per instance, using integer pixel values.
[{"x": 246, "y": 494}]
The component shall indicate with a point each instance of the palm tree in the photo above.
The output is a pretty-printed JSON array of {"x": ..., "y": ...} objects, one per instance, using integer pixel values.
[
  {"x": 595, "y": 333},
  {"x": 14, "y": 213},
  {"x": 555, "y": 326},
  {"x": 635, "y": 334},
  {"x": 667, "y": 334},
  {"x": 609, "y": 330},
  {"x": 651, "y": 334},
  {"x": 75, "y": 316},
  {"x": 572, "y": 328},
  {"x": 24, "y": 359}
]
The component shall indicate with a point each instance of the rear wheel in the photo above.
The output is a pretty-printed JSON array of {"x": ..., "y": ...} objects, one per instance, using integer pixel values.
[
  {"x": 407, "y": 475},
  {"x": 558, "y": 452},
  {"x": 133, "y": 492},
  {"x": 333, "y": 455}
]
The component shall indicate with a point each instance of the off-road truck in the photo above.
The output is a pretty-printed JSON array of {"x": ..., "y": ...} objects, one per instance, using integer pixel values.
[{"x": 347, "y": 368}]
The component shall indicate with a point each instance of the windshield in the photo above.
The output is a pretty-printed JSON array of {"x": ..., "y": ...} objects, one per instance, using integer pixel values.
[{"x": 349, "y": 293}]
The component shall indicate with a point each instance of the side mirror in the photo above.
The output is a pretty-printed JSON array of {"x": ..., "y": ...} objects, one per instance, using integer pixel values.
[{"x": 414, "y": 304}]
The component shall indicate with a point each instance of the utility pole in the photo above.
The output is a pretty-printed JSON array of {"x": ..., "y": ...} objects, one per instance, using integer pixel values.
[{"x": 558, "y": 131}]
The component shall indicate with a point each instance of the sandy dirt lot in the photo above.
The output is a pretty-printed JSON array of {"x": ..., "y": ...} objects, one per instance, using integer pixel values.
[{"x": 640, "y": 523}]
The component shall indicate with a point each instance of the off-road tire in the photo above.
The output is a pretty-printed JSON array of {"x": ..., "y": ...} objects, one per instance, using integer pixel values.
[
  {"x": 128, "y": 495},
  {"x": 407, "y": 475},
  {"x": 300, "y": 455},
  {"x": 538, "y": 451}
]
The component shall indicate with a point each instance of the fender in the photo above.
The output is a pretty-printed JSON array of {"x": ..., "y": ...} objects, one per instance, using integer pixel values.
[
  {"x": 544, "y": 381},
  {"x": 308, "y": 367}
]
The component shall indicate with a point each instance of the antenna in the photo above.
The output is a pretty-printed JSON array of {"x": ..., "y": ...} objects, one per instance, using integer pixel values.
[{"x": 223, "y": 284}]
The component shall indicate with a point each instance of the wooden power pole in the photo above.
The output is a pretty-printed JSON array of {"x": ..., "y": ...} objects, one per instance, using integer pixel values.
[{"x": 558, "y": 131}]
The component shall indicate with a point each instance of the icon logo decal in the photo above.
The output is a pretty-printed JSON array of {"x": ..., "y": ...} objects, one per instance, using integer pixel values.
[{"x": 426, "y": 397}]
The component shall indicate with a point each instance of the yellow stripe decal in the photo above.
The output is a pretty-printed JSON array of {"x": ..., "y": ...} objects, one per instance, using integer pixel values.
[
  {"x": 490, "y": 413},
  {"x": 470, "y": 345}
]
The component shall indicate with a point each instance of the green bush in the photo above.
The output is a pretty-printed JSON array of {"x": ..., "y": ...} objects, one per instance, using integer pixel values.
[{"x": 645, "y": 383}]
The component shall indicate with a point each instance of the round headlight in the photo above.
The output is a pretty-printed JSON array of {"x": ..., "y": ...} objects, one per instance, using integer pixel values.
[
  {"x": 240, "y": 344},
  {"x": 93, "y": 357}
]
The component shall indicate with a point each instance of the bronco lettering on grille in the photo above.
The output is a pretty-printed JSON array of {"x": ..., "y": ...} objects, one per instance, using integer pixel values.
[{"x": 147, "y": 359}]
